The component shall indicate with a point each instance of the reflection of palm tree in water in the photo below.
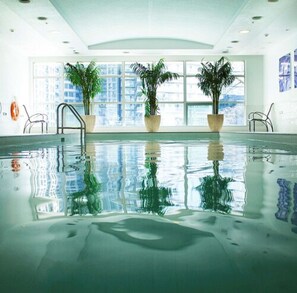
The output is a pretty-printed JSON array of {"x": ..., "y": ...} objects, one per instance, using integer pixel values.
[
  {"x": 154, "y": 199},
  {"x": 214, "y": 191},
  {"x": 87, "y": 200}
]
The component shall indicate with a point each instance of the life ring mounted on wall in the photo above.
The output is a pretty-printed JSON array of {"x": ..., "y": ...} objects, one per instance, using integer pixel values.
[{"x": 14, "y": 111}]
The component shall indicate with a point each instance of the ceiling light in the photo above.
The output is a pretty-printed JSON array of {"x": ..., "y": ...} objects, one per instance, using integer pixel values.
[
  {"x": 235, "y": 41},
  {"x": 257, "y": 17},
  {"x": 65, "y": 42},
  {"x": 244, "y": 31},
  {"x": 24, "y": 1},
  {"x": 42, "y": 18},
  {"x": 272, "y": 0}
]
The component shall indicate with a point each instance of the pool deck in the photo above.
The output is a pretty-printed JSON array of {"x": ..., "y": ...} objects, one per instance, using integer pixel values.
[{"x": 280, "y": 138}]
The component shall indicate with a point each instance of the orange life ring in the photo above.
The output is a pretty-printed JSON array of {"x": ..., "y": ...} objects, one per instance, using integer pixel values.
[{"x": 14, "y": 111}]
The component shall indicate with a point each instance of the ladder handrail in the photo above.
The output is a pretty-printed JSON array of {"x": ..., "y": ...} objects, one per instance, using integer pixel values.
[{"x": 77, "y": 116}]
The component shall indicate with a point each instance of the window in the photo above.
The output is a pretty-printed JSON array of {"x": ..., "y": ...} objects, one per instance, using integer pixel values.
[
  {"x": 121, "y": 104},
  {"x": 231, "y": 101},
  {"x": 48, "y": 87}
]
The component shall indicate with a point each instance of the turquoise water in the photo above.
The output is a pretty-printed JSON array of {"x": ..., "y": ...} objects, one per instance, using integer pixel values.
[{"x": 148, "y": 216}]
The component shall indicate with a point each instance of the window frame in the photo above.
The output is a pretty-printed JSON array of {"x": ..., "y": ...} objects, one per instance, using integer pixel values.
[{"x": 124, "y": 76}]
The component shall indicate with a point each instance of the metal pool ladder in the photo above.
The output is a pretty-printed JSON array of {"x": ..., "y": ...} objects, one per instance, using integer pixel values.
[{"x": 61, "y": 119}]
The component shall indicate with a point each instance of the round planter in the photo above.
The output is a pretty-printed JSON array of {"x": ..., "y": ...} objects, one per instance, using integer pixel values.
[
  {"x": 152, "y": 123},
  {"x": 215, "y": 122}
]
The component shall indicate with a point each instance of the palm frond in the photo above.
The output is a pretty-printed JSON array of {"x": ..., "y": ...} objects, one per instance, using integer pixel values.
[
  {"x": 152, "y": 76},
  {"x": 213, "y": 77},
  {"x": 86, "y": 78}
]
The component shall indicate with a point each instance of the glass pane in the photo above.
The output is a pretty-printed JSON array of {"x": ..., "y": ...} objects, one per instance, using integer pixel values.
[
  {"x": 194, "y": 93},
  {"x": 134, "y": 114},
  {"x": 47, "y": 90},
  {"x": 128, "y": 70},
  {"x": 48, "y": 69},
  {"x": 235, "y": 92},
  {"x": 111, "y": 90},
  {"x": 110, "y": 68},
  {"x": 47, "y": 94},
  {"x": 132, "y": 90},
  {"x": 238, "y": 67},
  {"x": 172, "y": 114},
  {"x": 192, "y": 68},
  {"x": 176, "y": 67},
  {"x": 234, "y": 114},
  {"x": 197, "y": 114},
  {"x": 171, "y": 91},
  {"x": 72, "y": 93},
  {"x": 108, "y": 114},
  {"x": 70, "y": 118}
]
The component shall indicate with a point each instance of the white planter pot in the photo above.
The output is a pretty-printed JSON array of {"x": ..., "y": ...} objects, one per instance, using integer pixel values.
[
  {"x": 152, "y": 123},
  {"x": 90, "y": 121},
  {"x": 215, "y": 122}
]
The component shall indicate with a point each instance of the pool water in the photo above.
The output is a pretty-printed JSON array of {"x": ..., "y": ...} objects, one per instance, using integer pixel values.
[{"x": 191, "y": 215}]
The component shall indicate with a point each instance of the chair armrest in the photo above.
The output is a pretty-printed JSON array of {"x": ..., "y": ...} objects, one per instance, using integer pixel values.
[
  {"x": 257, "y": 115},
  {"x": 39, "y": 116}
]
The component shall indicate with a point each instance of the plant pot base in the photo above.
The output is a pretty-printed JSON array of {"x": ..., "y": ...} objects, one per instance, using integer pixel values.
[
  {"x": 215, "y": 122},
  {"x": 152, "y": 123},
  {"x": 90, "y": 122}
]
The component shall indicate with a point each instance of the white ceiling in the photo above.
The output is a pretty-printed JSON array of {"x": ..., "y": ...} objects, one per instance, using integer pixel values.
[{"x": 117, "y": 27}]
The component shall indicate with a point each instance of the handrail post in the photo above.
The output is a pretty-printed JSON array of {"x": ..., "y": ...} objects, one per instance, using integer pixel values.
[{"x": 76, "y": 115}]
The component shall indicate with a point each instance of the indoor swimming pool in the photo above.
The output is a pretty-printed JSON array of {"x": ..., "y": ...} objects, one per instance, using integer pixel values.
[{"x": 149, "y": 215}]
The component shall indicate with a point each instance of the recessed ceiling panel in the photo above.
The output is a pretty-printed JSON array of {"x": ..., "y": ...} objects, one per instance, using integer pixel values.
[
  {"x": 103, "y": 21},
  {"x": 150, "y": 44}
]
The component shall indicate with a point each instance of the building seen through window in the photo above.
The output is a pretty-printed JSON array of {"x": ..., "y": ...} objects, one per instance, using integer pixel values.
[{"x": 120, "y": 104}]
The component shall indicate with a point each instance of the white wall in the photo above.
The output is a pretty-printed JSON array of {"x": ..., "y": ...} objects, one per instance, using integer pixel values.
[
  {"x": 14, "y": 78},
  {"x": 284, "y": 113},
  {"x": 254, "y": 83}
]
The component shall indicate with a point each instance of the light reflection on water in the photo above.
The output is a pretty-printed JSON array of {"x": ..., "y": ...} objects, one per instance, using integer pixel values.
[{"x": 158, "y": 177}]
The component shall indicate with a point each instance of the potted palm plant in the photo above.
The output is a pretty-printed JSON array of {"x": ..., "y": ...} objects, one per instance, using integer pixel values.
[
  {"x": 88, "y": 79},
  {"x": 212, "y": 78},
  {"x": 152, "y": 76}
]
